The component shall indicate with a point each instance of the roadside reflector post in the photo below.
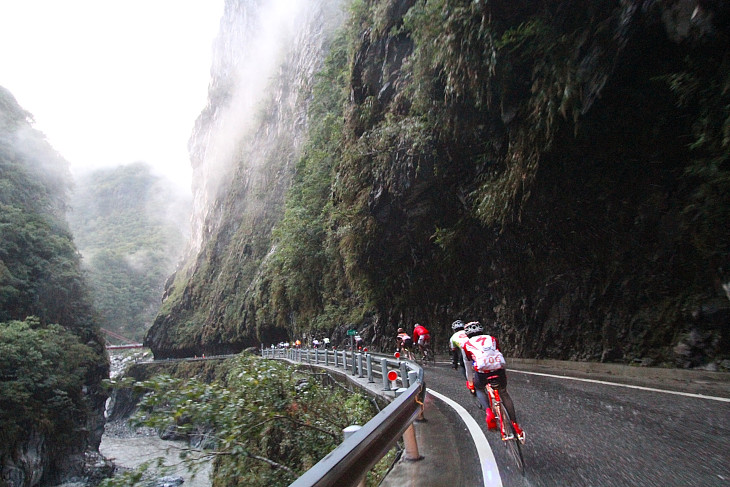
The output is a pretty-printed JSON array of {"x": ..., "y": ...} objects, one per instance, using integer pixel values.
[
  {"x": 392, "y": 378},
  {"x": 404, "y": 375},
  {"x": 409, "y": 437},
  {"x": 348, "y": 432},
  {"x": 384, "y": 374}
]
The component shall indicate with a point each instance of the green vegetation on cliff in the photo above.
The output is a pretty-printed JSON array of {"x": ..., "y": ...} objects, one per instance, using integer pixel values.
[
  {"x": 52, "y": 358},
  {"x": 43, "y": 370}
]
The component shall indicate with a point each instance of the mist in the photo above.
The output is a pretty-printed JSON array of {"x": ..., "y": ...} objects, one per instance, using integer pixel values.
[{"x": 261, "y": 44}]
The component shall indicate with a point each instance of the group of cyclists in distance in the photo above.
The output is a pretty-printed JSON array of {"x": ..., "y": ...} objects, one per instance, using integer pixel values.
[
  {"x": 471, "y": 347},
  {"x": 481, "y": 358}
]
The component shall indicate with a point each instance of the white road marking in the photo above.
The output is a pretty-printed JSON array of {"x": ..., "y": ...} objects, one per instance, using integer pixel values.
[
  {"x": 688, "y": 394},
  {"x": 490, "y": 472}
]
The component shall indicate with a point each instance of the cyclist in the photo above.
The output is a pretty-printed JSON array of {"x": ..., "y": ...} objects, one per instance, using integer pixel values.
[
  {"x": 422, "y": 338},
  {"x": 456, "y": 342},
  {"x": 404, "y": 343},
  {"x": 488, "y": 361}
]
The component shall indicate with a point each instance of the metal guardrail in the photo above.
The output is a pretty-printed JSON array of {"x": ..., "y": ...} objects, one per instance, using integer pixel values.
[{"x": 348, "y": 464}]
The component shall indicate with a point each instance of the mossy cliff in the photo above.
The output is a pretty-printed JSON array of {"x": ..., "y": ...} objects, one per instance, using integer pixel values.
[{"x": 559, "y": 171}]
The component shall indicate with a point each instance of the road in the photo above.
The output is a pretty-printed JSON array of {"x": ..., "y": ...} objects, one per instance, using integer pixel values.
[{"x": 594, "y": 434}]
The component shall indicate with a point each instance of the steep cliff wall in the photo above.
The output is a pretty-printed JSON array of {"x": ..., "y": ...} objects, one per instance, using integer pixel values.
[
  {"x": 243, "y": 149},
  {"x": 558, "y": 171},
  {"x": 553, "y": 170}
]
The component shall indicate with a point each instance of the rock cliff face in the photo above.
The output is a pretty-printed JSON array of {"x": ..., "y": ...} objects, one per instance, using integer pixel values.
[
  {"x": 558, "y": 171},
  {"x": 243, "y": 150}
]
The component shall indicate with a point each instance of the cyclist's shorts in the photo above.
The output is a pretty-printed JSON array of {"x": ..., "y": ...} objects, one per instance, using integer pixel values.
[
  {"x": 408, "y": 343},
  {"x": 496, "y": 378},
  {"x": 424, "y": 340}
]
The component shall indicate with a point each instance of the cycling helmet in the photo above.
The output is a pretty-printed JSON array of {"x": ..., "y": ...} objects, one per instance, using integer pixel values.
[
  {"x": 457, "y": 325},
  {"x": 401, "y": 330},
  {"x": 473, "y": 328}
]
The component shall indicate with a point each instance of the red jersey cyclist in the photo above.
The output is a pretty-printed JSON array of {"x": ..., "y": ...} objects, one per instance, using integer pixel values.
[
  {"x": 421, "y": 337},
  {"x": 488, "y": 361}
]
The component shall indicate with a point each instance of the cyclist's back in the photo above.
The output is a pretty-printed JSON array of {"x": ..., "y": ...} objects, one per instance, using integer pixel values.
[
  {"x": 421, "y": 337},
  {"x": 489, "y": 367},
  {"x": 403, "y": 341},
  {"x": 458, "y": 356}
]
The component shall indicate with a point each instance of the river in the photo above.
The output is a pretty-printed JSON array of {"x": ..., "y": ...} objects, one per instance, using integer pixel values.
[
  {"x": 132, "y": 451},
  {"x": 129, "y": 448}
]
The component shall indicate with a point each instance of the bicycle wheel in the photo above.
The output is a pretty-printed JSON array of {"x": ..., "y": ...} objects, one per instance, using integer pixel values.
[
  {"x": 430, "y": 357},
  {"x": 513, "y": 444},
  {"x": 426, "y": 357}
]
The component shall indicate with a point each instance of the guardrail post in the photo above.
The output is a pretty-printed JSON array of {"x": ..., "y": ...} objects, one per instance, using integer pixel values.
[
  {"x": 335, "y": 354},
  {"x": 326, "y": 357},
  {"x": 348, "y": 432},
  {"x": 404, "y": 375},
  {"x": 412, "y": 378},
  {"x": 384, "y": 372},
  {"x": 409, "y": 437},
  {"x": 359, "y": 366},
  {"x": 344, "y": 360},
  {"x": 369, "y": 365},
  {"x": 354, "y": 364}
]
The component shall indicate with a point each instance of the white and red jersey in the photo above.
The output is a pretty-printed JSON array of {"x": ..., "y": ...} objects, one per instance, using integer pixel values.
[
  {"x": 483, "y": 351},
  {"x": 457, "y": 340}
]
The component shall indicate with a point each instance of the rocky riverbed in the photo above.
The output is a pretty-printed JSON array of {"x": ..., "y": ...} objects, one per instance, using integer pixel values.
[{"x": 129, "y": 447}]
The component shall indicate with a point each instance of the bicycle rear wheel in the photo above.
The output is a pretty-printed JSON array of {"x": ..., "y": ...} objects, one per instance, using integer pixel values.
[
  {"x": 427, "y": 356},
  {"x": 513, "y": 444},
  {"x": 430, "y": 355}
]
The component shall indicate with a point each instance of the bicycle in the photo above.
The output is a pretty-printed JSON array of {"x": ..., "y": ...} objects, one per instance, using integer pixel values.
[
  {"x": 506, "y": 429},
  {"x": 427, "y": 356},
  {"x": 405, "y": 351}
]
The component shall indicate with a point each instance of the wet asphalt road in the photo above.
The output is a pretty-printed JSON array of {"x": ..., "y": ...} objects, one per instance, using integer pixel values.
[{"x": 588, "y": 434}]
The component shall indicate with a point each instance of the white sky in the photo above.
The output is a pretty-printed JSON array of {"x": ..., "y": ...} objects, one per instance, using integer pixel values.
[{"x": 111, "y": 81}]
